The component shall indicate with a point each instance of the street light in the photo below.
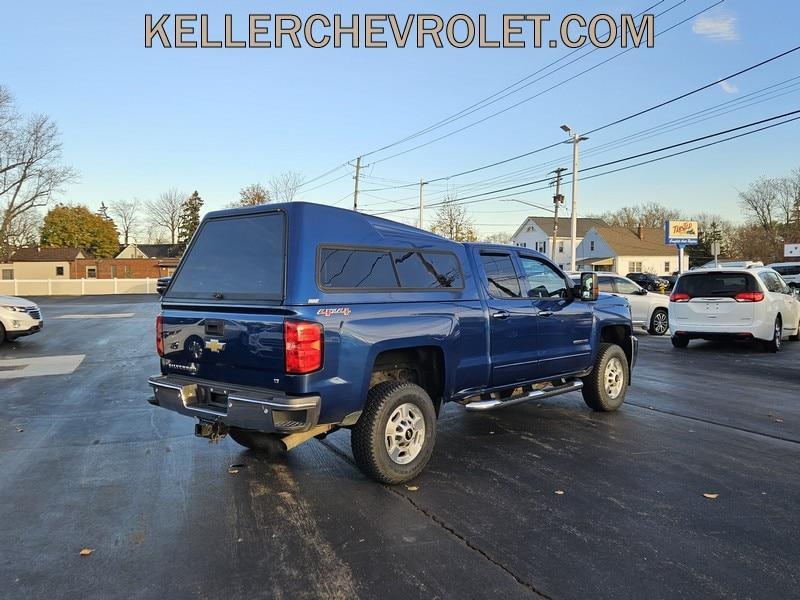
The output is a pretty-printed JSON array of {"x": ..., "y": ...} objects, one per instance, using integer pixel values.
[{"x": 574, "y": 139}]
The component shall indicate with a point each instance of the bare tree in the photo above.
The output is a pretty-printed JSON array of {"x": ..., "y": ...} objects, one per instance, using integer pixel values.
[
  {"x": 165, "y": 212},
  {"x": 647, "y": 214},
  {"x": 452, "y": 221},
  {"x": 501, "y": 237},
  {"x": 760, "y": 202},
  {"x": 284, "y": 186},
  {"x": 30, "y": 169},
  {"x": 126, "y": 216}
]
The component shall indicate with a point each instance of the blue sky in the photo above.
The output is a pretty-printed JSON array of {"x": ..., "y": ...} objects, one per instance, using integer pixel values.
[{"x": 137, "y": 121}]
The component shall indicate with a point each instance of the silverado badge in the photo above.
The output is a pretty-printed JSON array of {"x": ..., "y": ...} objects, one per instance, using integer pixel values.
[{"x": 215, "y": 345}]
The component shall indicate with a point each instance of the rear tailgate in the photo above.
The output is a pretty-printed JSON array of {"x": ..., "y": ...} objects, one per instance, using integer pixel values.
[{"x": 237, "y": 348}]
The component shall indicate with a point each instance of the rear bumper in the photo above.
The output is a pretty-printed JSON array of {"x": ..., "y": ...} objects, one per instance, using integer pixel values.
[
  {"x": 757, "y": 329},
  {"x": 255, "y": 409}
]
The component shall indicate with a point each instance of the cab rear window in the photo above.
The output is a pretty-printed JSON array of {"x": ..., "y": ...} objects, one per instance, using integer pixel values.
[
  {"x": 715, "y": 285},
  {"x": 234, "y": 258}
]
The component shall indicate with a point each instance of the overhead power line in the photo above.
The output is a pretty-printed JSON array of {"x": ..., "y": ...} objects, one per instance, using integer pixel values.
[{"x": 465, "y": 200}]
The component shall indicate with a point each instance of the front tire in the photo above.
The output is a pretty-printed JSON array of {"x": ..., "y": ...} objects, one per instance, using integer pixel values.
[
  {"x": 659, "y": 322},
  {"x": 605, "y": 387},
  {"x": 394, "y": 437}
]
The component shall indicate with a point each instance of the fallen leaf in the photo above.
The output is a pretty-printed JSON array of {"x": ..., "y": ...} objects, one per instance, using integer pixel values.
[
  {"x": 20, "y": 430},
  {"x": 233, "y": 471},
  {"x": 86, "y": 551},
  {"x": 710, "y": 496},
  {"x": 559, "y": 492},
  {"x": 779, "y": 420},
  {"x": 412, "y": 488}
]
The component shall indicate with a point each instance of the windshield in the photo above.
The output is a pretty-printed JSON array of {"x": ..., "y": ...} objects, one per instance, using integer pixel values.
[
  {"x": 234, "y": 258},
  {"x": 716, "y": 284}
]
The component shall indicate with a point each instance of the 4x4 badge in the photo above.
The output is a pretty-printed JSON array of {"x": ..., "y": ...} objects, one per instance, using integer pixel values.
[
  {"x": 215, "y": 345},
  {"x": 327, "y": 312}
]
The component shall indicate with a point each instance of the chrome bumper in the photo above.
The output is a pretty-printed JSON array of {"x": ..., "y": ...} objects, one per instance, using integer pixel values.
[{"x": 235, "y": 406}]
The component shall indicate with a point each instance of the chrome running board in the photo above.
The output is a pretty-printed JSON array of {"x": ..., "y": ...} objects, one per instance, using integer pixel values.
[{"x": 494, "y": 404}]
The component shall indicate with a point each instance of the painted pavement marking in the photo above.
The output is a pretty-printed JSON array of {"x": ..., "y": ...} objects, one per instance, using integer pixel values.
[{"x": 37, "y": 367}]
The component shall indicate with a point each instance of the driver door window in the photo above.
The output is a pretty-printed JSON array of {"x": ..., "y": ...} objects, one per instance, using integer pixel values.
[
  {"x": 543, "y": 281},
  {"x": 624, "y": 286}
]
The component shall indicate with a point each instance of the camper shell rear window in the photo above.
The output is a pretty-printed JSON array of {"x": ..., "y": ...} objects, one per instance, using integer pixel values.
[{"x": 234, "y": 258}]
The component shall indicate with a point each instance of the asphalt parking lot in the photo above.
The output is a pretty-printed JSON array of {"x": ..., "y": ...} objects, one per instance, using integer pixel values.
[{"x": 86, "y": 462}]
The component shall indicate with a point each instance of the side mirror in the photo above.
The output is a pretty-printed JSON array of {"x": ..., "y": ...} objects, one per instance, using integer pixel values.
[{"x": 589, "y": 289}]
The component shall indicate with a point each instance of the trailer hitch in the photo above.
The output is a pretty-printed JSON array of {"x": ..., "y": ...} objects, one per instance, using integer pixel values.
[{"x": 213, "y": 432}]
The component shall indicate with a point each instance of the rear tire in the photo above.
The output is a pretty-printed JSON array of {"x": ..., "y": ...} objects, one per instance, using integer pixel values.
[
  {"x": 257, "y": 440},
  {"x": 605, "y": 387},
  {"x": 775, "y": 344},
  {"x": 2, "y": 334},
  {"x": 679, "y": 341},
  {"x": 394, "y": 437},
  {"x": 659, "y": 322}
]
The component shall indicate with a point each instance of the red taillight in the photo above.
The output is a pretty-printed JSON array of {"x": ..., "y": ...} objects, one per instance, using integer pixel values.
[
  {"x": 303, "y": 345},
  {"x": 160, "y": 335},
  {"x": 749, "y": 297},
  {"x": 679, "y": 297}
]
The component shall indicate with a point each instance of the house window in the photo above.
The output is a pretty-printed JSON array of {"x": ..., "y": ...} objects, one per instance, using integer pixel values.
[
  {"x": 667, "y": 270},
  {"x": 635, "y": 266},
  {"x": 128, "y": 273},
  {"x": 8, "y": 274},
  {"x": 91, "y": 272},
  {"x": 541, "y": 247},
  {"x": 113, "y": 271},
  {"x": 561, "y": 247},
  {"x": 591, "y": 245},
  {"x": 59, "y": 271}
]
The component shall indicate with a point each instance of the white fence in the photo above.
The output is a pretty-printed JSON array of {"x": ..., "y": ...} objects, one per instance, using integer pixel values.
[{"x": 76, "y": 287}]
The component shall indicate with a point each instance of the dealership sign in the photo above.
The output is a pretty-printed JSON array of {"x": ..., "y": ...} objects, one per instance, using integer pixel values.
[
  {"x": 791, "y": 250},
  {"x": 682, "y": 233}
]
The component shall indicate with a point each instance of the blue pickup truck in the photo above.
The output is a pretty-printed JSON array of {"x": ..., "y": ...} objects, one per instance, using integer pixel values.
[{"x": 285, "y": 322}]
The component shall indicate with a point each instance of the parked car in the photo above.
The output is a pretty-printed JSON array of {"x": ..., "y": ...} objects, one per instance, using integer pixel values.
[
  {"x": 649, "y": 311},
  {"x": 311, "y": 318},
  {"x": 670, "y": 279},
  {"x": 18, "y": 317},
  {"x": 162, "y": 284},
  {"x": 790, "y": 271},
  {"x": 734, "y": 303},
  {"x": 648, "y": 281}
]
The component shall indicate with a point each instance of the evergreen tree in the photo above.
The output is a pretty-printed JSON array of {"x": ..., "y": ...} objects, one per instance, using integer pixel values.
[{"x": 190, "y": 217}]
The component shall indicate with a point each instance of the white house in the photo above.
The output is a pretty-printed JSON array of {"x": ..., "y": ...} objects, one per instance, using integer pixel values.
[
  {"x": 628, "y": 250},
  {"x": 537, "y": 233}
]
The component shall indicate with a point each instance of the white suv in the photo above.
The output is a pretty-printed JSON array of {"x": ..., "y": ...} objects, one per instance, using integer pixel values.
[
  {"x": 790, "y": 271},
  {"x": 733, "y": 303},
  {"x": 18, "y": 317}
]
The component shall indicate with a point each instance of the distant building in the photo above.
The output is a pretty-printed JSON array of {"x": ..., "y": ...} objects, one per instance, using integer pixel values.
[
  {"x": 132, "y": 262},
  {"x": 537, "y": 233},
  {"x": 628, "y": 250}
]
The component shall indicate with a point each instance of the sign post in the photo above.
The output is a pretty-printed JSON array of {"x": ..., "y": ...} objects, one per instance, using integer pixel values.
[
  {"x": 715, "y": 252},
  {"x": 680, "y": 234}
]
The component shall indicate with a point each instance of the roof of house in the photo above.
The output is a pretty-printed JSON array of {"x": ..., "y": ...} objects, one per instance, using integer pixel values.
[
  {"x": 158, "y": 250},
  {"x": 625, "y": 241},
  {"x": 38, "y": 254},
  {"x": 546, "y": 225}
]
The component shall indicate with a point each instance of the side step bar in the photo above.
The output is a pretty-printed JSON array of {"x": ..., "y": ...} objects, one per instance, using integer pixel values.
[{"x": 494, "y": 404}]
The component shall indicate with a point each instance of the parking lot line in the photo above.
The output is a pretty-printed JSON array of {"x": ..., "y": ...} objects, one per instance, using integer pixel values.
[
  {"x": 36, "y": 367},
  {"x": 97, "y": 316}
]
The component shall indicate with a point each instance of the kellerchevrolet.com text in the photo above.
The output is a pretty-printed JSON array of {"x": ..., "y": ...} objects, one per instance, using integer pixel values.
[{"x": 387, "y": 30}]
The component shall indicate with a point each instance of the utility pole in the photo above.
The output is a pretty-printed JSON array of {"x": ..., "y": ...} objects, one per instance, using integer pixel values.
[
  {"x": 558, "y": 200},
  {"x": 575, "y": 140},
  {"x": 357, "y": 177},
  {"x": 421, "y": 202}
]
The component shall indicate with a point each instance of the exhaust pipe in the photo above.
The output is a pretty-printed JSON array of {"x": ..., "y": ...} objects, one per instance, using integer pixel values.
[{"x": 295, "y": 439}]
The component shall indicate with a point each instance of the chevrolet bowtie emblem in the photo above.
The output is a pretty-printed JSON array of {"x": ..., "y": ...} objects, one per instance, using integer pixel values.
[{"x": 215, "y": 345}]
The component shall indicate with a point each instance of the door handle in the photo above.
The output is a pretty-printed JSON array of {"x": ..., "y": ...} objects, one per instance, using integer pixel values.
[
  {"x": 501, "y": 314},
  {"x": 545, "y": 313}
]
